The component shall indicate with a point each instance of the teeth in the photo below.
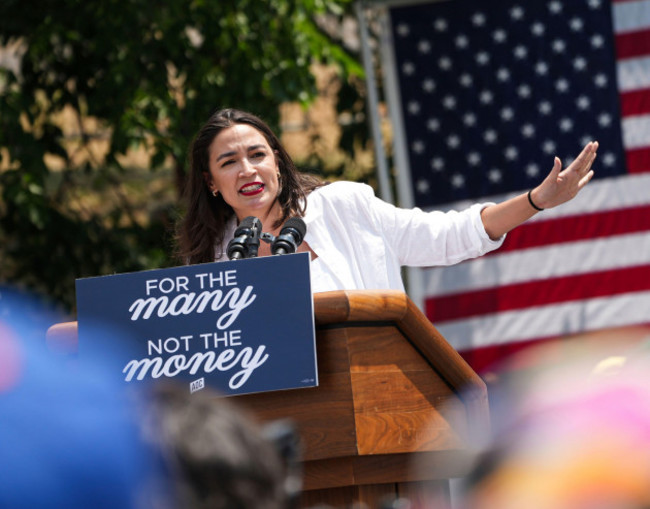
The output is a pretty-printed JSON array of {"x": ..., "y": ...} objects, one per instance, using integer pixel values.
[{"x": 248, "y": 189}]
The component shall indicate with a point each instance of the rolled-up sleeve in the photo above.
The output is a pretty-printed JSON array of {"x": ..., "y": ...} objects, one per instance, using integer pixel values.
[{"x": 422, "y": 238}]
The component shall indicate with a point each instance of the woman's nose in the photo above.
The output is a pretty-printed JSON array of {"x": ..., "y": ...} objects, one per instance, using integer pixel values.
[{"x": 246, "y": 168}]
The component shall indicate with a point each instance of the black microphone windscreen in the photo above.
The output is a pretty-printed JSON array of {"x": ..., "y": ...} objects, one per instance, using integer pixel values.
[{"x": 297, "y": 224}]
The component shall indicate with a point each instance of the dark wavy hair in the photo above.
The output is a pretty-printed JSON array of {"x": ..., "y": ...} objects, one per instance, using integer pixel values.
[{"x": 203, "y": 225}]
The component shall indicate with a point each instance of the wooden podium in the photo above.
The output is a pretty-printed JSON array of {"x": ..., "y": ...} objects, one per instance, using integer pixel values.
[{"x": 394, "y": 409}]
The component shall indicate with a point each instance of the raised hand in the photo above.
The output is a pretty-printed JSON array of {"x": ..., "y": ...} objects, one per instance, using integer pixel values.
[{"x": 561, "y": 185}]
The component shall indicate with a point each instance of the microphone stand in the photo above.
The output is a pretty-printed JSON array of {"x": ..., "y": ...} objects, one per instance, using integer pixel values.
[{"x": 253, "y": 241}]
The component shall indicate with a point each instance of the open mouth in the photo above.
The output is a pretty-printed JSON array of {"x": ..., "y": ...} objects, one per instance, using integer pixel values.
[{"x": 253, "y": 188}]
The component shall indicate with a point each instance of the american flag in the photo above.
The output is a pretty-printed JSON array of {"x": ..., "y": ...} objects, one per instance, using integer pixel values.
[{"x": 490, "y": 92}]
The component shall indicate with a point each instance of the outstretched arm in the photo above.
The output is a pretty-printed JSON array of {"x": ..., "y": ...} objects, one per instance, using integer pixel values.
[{"x": 558, "y": 187}]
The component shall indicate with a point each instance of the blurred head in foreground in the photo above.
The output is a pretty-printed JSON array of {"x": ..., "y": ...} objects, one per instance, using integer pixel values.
[
  {"x": 576, "y": 436},
  {"x": 218, "y": 456},
  {"x": 69, "y": 436}
]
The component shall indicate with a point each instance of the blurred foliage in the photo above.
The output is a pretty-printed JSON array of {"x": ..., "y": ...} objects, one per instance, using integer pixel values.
[{"x": 97, "y": 81}]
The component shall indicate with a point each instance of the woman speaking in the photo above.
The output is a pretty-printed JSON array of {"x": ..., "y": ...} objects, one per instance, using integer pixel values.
[{"x": 240, "y": 169}]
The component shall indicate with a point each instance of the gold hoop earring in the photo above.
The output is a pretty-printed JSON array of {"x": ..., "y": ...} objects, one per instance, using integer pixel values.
[{"x": 215, "y": 192}]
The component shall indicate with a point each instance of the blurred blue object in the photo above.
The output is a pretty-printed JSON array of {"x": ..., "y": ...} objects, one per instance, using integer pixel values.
[{"x": 70, "y": 435}]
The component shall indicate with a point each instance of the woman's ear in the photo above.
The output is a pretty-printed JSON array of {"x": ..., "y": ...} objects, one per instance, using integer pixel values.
[{"x": 210, "y": 183}]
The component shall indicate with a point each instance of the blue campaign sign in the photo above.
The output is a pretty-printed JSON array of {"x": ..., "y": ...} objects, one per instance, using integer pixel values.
[{"x": 240, "y": 326}]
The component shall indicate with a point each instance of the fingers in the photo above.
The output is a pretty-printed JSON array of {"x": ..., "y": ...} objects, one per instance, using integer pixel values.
[
  {"x": 591, "y": 157},
  {"x": 582, "y": 164},
  {"x": 557, "y": 167},
  {"x": 587, "y": 167},
  {"x": 584, "y": 180},
  {"x": 588, "y": 151},
  {"x": 585, "y": 172},
  {"x": 589, "y": 148}
]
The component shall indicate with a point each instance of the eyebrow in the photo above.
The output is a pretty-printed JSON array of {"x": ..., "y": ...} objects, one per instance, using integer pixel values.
[{"x": 232, "y": 153}]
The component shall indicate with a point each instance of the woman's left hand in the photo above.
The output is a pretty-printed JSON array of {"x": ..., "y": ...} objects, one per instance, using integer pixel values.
[{"x": 562, "y": 185}]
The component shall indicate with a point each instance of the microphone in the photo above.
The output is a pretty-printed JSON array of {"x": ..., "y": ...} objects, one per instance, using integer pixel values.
[
  {"x": 290, "y": 237},
  {"x": 246, "y": 240}
]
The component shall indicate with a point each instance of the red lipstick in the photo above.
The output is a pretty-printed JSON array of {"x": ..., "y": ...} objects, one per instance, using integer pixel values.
[{"x": 251, "y": 189}]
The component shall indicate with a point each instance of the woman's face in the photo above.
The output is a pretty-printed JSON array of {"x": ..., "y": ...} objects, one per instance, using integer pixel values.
[{"x": 244, "y": 169}]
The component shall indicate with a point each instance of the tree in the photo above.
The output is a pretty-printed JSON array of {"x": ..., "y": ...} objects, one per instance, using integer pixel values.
[{"x": 99, "y": 80}]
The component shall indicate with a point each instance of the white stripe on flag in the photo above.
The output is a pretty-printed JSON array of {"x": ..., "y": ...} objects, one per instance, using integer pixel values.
[
  {"x": 511, "y": 267},
  {"x": 633, "y": 74},
  {"x": 547, "y": 321},
  {"x": 631, "y": 16},
  {"x": 636, "y": 131}
]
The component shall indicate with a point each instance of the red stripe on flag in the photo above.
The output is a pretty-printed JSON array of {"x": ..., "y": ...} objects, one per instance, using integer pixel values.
[
  {"x": 538, "y": 293},
  {"x": 638, "y": 160},
  {"x": 574, "y": 228},
  {"x": 636, "y": 102},
  {"x": 632, "y": 44}
]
